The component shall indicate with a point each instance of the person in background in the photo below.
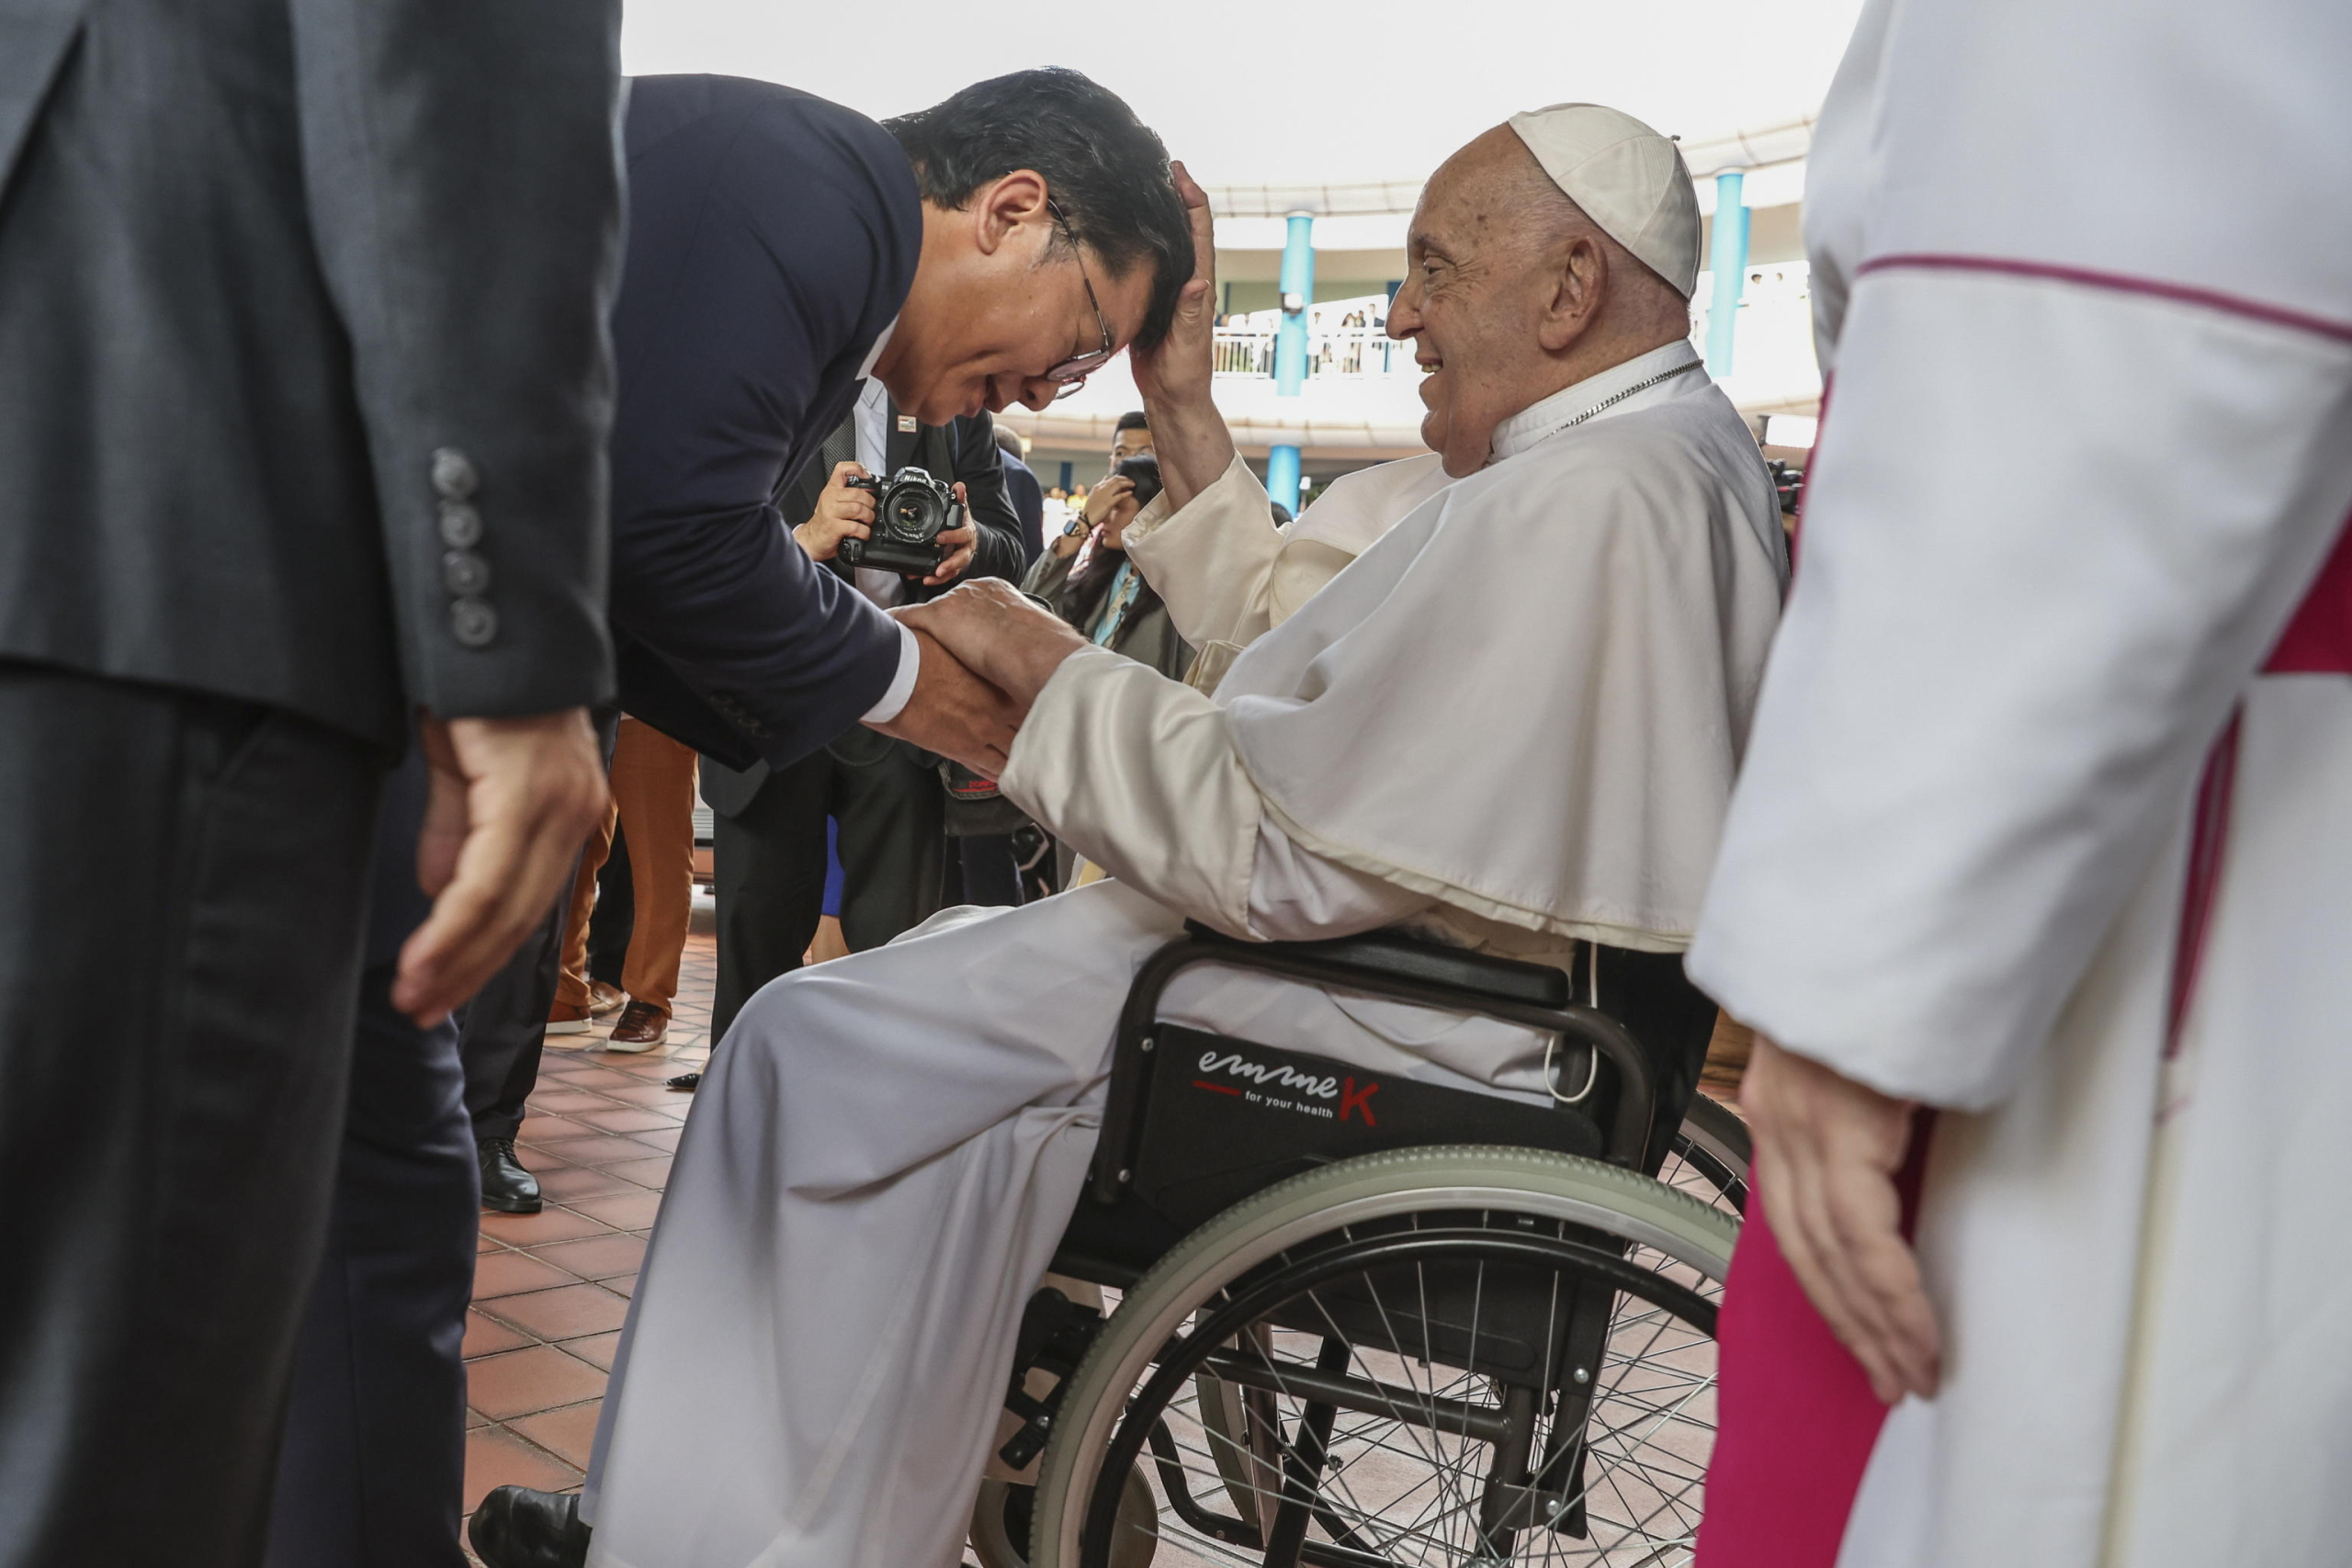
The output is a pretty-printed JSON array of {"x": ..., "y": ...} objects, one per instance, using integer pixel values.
[
  {"x": 1028, "y": 499},
  {"x": 1087, "y": 580},
  {"x": 653, "y": 814}
]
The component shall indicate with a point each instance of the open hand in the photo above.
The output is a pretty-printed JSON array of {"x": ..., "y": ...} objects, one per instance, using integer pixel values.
[
  {"x": 509, "y": 802},
  {"x": 999, "y": 634},
  {"x": 1827, "y": 1152},
  {"x": 1176, "y": 371}
]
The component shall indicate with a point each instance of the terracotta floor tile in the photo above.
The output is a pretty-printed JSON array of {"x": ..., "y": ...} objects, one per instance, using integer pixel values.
[
  {"x": 568, "y": 1433},
  {"x": 541, "y": 1377},
  {"x": 633, "y": 1118},
  {"x": 654, "y": 1094},
  {"x": 566, "y": 1182},
  {"x": 626, "y": 1285},
  {"x": 483, "y": 1242},
  {"x": 653, "y": 1173},
  {"x": 550, "y": 1224},
  {"x": 511, "y": 1273},
  {"x": 660, "y": 1138},
  {"x": 596, "y": 1347},
  {"x": 596, "y": 1256},
  {"x": 564, "y": 1100},
  {"x": 565, "y": 1312},
  {"x": 623, "y": 1212},
  {"x": 495, "y": 1458},
  {"x": 545, "y": 1127},
  {"x": 487, "y": 1336},
  {"x": 599, "y": 1148},
  {"x": 592, "y": 1076}
]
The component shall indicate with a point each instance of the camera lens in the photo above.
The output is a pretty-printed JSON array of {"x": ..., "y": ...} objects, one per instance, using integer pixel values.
[{"x": 914, "y": 513}]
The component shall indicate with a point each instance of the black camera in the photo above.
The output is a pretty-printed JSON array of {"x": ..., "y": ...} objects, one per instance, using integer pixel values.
[
  {"x": 910, "y": 510},
  {"x": 1788, "y": 483},
  {"x": 1143, "y": 472}
]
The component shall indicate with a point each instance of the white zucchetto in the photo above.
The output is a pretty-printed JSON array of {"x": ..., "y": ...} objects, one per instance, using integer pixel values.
[{"x": 1627, "y": 178}]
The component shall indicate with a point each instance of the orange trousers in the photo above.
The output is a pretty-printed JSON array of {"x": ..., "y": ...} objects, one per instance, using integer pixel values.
[{"x": 653, "y": 803}]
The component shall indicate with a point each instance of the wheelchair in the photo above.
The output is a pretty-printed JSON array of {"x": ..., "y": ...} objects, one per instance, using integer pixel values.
[{"x": 1382, "y": 1324}]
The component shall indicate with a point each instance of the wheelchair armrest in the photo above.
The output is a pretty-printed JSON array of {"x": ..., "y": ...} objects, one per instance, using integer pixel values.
[{"x": 1398, "y": 955}]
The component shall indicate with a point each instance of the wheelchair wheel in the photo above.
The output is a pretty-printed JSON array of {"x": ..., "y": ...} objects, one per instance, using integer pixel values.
[
  {"x": 1711, "y": 1155},
  {"x": 1424, "y": 1357},
  {"x": 1002, "y": 1515}
]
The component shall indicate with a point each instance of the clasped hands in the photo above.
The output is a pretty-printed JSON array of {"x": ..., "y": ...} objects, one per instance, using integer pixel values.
[{"x": 987, "y": 652}]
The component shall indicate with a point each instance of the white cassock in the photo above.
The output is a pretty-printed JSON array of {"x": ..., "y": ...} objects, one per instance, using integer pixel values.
[
  {"x": 1228, "y": 573},
  {"x": 2047, "y": 820},
  {"x": 1515, "y": 720}
]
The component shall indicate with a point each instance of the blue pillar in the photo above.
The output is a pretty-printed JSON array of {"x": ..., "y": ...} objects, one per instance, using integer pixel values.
[
  {"x": 1727, "y": 258},
  {"x": 1281, "y": 478},
  {"x": 1290, "y": 350}
]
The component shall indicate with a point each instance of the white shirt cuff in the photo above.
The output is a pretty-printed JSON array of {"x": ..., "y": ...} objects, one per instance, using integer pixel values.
[{"x": 902, "y": 684}]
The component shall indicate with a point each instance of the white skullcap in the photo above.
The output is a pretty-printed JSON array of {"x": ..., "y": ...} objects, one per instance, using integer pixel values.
[{"x": 1628, "y": 178}]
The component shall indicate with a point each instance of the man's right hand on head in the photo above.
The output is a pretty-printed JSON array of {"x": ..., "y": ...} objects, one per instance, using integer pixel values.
[
  {"x": 510, "y": 801},
  {"x": 842, "y": 513}
]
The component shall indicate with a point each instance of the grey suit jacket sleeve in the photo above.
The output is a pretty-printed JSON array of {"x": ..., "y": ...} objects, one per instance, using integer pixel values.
[{"x": 463, "y": 172}]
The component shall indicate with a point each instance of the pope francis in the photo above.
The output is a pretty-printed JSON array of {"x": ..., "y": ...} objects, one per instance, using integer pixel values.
[{"x": 1513, "y": 722}]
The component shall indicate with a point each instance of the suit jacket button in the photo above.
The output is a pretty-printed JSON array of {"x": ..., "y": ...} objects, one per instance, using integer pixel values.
[
  {"x": 460, "y": 526},
  {"x": 473, "y": 623},
  {"x": 453, "y": 473},
  {"x": 464, "y": 573}
]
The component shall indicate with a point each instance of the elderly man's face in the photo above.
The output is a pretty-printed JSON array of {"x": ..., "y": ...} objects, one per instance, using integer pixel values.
[{"x": 1475, "y": 292}]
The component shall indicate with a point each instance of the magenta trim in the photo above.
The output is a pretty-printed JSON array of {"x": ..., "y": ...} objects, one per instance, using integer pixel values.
[{"x": 2116, "y": 283}]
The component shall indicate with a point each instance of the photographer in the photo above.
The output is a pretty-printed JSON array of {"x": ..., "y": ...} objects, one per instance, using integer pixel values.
[
  {"x": 1087, "y": 580},
  {"x": 768, "y": 851}
]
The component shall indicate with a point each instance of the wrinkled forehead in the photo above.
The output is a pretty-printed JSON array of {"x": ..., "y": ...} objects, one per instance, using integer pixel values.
[{"x": 1478, "y": 197}]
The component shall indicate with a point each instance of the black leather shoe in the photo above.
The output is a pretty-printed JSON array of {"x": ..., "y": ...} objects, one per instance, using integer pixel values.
[
  {"x": 505, "y": 1185},
  {"x": 517, "y": 1528},
  {"x": 685, "y": 1083}
]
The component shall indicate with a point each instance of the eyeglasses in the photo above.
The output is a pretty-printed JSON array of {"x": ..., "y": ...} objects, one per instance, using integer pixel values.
[{"x": 1071, "y": 373}]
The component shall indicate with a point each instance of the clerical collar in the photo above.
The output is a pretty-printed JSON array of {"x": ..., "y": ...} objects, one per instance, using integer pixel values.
[
  {"x": 875, "y": 354},
  {"x": 1620, "y": 389}
]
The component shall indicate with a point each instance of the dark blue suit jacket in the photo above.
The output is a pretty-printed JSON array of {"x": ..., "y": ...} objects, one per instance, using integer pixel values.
[{"x": 772, "y": 238}]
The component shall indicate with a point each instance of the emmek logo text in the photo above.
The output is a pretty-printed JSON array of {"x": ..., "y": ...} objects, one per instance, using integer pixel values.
[{"x": 1271, "y": 1076}]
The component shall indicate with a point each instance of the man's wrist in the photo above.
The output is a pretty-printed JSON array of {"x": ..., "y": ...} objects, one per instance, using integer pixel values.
[{"x": 902, "y": 684}]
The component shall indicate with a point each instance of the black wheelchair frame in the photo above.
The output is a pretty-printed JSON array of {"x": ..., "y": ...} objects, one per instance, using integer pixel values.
[{"x": 1625, "y": 1117}]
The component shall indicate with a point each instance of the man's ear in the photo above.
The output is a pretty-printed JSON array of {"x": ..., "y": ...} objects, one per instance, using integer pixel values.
[
  {"x": 1004, "y": 207},
  {"x": 1578, "y": 279}
]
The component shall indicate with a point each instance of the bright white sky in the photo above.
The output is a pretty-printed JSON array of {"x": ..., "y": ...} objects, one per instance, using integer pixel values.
[{"x": 1279, "y": 91}]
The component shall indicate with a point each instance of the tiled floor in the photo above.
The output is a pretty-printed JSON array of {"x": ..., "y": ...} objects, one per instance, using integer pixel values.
[{"x": 551, "y": 1289}]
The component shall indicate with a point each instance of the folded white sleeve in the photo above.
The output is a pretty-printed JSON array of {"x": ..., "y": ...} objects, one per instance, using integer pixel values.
[
  {"x": 1139, "y": 774},
  {"x": 1211, "y": 560},
  {"x": 1986, "y": 707}
]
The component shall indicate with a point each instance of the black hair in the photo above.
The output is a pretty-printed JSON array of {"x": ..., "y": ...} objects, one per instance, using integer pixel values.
[
  {"x": 1105, "y": 169},
  {"x": 1136, "y": 420}
]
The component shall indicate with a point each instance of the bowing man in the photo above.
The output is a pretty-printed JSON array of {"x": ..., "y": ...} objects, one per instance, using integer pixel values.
[{"x": 1540, "y": 680}]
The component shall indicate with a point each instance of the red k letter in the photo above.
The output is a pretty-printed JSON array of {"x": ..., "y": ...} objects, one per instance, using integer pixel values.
[{"x": 1353, "y": 1099}]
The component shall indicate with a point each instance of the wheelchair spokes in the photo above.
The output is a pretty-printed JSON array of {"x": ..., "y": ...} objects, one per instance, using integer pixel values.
[{"x": 1464, "y": 1389}]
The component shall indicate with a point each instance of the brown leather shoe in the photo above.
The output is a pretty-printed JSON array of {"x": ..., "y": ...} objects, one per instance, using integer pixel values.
[
  {"x": 642, "y": 1026},
  {"x": 604, "y": 1000},
  {"x": 565, "y": 1018}
]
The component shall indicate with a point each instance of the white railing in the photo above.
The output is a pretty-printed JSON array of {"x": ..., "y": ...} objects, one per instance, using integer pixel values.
[{"x": 1338, "y": 351}]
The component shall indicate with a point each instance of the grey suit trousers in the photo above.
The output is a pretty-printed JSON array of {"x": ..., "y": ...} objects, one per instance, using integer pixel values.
[{"x": 183, "y": 883}]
